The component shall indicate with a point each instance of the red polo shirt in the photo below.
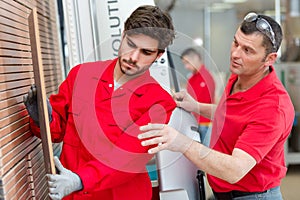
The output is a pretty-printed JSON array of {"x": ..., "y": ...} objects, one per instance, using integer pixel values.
[
  {"x": 99, "y": 126},
  {"x": 257, "y": 121},
  {"x": 201, "y": 86}
]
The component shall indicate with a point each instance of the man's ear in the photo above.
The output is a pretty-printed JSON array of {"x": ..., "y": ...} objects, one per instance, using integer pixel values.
[{"x": 271, "y": 59}]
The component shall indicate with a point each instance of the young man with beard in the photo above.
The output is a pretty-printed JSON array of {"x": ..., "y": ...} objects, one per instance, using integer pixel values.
[{"x": 97, "y": 113}]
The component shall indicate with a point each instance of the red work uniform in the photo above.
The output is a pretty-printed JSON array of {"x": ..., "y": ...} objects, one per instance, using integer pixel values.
[
  {"x": 99, "y": 126},
  {"x": 257, "y": 121},
  {"x": 201, "y": 86}
]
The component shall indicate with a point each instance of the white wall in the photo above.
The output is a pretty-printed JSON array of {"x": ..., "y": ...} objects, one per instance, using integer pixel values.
[{"x": 190, "y": 24}]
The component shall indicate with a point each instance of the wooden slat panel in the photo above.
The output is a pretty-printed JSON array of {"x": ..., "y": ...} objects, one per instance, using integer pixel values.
[
  {"x": 18, "y": 6},
  {"x": 38, "y": 167},
  {"x": 8, "y": 138},
  {"x": 38, "y": 178},
  {"x": 14, "y": 53},
  {"x": 14, "y": 25},
  {"x": 13, "y": 31},
  {"x": 14, "y": 84},
  {"x": 41, "y": 191},
  {"x": 10, "y": 102},
  {"x": 17, "y": 151},
  {"x": 14, "y": 8},
  {"x": 50, "y": 70},
  {"x": 20, "y": 166},
  {"x": 15, "y": 76},
  {"x": 49, "y": 57},
  {"x": 16, "y": 69},
  {"x": 35, "y": 156},
  {"x": 22, "y": 193},
  {"x": 46, "y": 25},
  {"x": 13, "y": 93},
  {"x": 26, "y": 195},
  {"x": 14, "y": 46},
  {"x": 13, "y": 126},
  {"x": 7, "y": 111},
  {"x": 13, "y": 38},
  {"x": 12, "y": 179},
  {"x": 29, "y": 4},
  {"x": 48, "y": 34},
  {"x": 14, "y": 117},
  {"x": 44, "y": 9},
  {"x": 37, "y": 172},
  {"x": 14, "y": 61},
  {"x": 18, "y": 189},
  {"x": 52, "y": 79},
  {"x": 18, "y": 154},
  {"x": 15, "y": 20},
  {"x": 48, "y": 45},
  {"x": 15, "y": 142}
]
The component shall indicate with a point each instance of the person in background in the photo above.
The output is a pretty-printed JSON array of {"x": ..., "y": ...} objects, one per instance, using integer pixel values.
[
  {"x": 251, "y": 123},
  {"x": 97, "y": 113},
  {"x": 201, "y": 86}
]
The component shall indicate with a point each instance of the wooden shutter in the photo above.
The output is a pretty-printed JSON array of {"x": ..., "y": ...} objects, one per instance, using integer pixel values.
[{"x": 22, "y": 172}]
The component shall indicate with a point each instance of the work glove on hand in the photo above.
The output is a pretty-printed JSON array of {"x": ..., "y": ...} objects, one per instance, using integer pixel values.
[
  {"x": 64, "y": 183},
  {"x": 30, "y": 101}
]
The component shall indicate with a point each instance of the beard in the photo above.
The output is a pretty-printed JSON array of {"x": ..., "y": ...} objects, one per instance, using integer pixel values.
[{"x": 130, "y": 68}]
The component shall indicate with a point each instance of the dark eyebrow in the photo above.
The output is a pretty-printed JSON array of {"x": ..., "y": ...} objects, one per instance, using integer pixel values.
[
  {"x": 151, "y": 51},
  {"x": 244, "y": 46},
  {"x": 130, "y": 40}
]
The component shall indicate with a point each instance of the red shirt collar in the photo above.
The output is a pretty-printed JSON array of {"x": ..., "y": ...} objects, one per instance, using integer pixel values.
[{"x": 255, "y": 91}]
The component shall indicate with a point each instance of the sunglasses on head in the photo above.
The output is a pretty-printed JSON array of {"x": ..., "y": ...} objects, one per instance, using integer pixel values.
[{"x": 262, "y": 25}]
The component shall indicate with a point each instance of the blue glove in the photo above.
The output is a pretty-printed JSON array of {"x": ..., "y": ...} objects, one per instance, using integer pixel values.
[
  {"x": 64, "y": 183},
  {"x": 30, "y": 101}
]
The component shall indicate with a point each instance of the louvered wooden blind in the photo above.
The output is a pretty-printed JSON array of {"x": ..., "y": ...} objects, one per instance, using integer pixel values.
[{"x": 22, "y": 173}]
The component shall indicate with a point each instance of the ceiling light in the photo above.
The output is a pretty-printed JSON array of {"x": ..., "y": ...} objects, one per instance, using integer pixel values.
[
  {"x": 217, "y": 7},
  {"x": 234, "y": 1},
  {"x": 198, "y": 41}
]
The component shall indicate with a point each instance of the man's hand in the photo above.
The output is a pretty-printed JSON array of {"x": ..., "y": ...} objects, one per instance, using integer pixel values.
[
  {"x": 165, "y": 137},
  {"x": 186, "y": 101},
  {"x": 30, "y": 101},
  {"x": 64, "y": 183}
]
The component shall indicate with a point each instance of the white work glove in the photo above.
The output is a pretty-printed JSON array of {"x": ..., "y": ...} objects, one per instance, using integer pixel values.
[{"x": 64, "y": 183}]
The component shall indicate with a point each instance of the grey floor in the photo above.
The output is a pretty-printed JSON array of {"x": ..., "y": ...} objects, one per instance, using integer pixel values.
[{"x": 290, "y": 186}]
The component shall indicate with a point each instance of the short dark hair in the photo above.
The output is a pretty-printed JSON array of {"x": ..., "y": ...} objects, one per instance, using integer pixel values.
[
  {"x": 250, "y": 27},
  {"x": 190, "y": 51},
  {"x": 153, "y": 22}
]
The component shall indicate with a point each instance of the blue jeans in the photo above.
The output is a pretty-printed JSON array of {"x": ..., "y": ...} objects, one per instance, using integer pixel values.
[
  {"x": 205, "y": 133},
  {"x": 271, "y": 194}
]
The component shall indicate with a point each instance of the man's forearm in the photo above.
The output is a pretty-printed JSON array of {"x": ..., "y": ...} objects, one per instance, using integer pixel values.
[
  {"x": 226, "y": 167},
  {"x": 206, "y": 110}
]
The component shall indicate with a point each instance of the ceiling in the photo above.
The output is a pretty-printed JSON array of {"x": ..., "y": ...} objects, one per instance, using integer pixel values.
[{"x": 260, "y": 6}]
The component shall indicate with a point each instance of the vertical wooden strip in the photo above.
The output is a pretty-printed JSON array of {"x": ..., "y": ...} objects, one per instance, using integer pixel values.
[{"x": 41, "y": 91}]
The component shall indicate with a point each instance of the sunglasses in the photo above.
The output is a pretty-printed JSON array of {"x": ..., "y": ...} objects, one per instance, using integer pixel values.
[{"x": 262, "y": 25}]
